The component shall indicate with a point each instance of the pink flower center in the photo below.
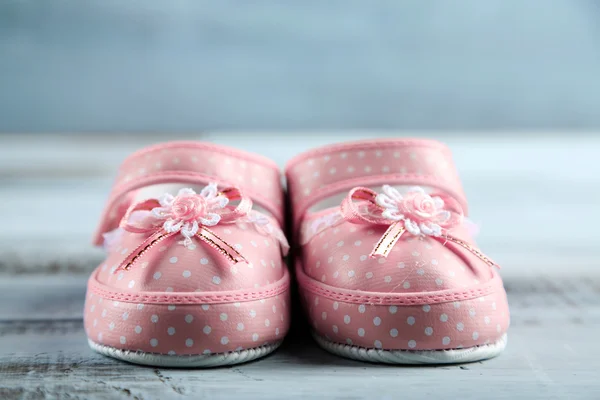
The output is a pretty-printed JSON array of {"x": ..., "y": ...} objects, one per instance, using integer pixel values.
[
  {"x": 189, "y": 208},
  {"x": 419, "y": 205}
]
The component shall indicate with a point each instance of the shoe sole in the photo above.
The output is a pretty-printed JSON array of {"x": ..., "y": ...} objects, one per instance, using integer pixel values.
[
  {"x": 414, "y": 357},
  {"x": 186, "y": 361}
]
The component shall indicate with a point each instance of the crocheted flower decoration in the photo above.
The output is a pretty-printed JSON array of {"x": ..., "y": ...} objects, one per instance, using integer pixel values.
[
  {"x": 421, "y": 213},
  {"x": 187, "y": 211}
]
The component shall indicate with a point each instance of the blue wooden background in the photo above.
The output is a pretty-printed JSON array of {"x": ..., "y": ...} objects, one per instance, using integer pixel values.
[{"x": 186, "y": 65}]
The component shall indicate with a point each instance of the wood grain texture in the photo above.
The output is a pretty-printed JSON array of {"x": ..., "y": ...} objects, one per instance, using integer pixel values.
[
  {"x": 53, "y": 192},
  {"x": 532, "y": 196},
  {"x": 552, "y": 354}
]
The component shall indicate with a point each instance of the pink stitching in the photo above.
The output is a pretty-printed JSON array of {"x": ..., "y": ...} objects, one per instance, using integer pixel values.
[
  {"x": 365, "y": 145},
  {"x": 179, "y": 298},
  {"x": 391, "y": 298},
  {"x": 428, "y": 299},
  {"x": 215, "y": 299}
]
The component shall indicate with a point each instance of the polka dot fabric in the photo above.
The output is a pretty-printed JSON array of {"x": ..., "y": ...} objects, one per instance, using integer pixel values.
[
  {"x": 182, "y": 162},
  {"x": 340, "y": 257},
  {"x": 320, "y": 173},
  {"x": 426, "y": 295},
  {"x": 178, "y": 300},
  {"x": 443, "y": 326},
  {"x": 170, "y": 267},
  {"x": 188, "y": 329}
]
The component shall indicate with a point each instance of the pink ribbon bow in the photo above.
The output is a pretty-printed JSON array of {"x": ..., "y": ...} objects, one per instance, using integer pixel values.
[
  {"x": 188, "y": 214},
  {"x": 416, "y": 212}
]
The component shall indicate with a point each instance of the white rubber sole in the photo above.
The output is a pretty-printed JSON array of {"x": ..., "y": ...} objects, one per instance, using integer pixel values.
[
  {"x": 421, "y": 357},
  {"x": 185, "y": 361}
]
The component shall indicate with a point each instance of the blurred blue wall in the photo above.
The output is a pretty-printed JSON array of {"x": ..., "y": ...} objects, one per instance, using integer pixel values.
[{"x": 186, "y": 65}]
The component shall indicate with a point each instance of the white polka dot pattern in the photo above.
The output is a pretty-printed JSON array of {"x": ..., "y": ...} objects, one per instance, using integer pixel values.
[
  {"x": 178, "y": 269},
  {"x": 155, "y": 306},
  {"x": 258, "y": 177},
  {"x": 408, "y": 327},
  {"x": 408, "y": 268},
  {"x": 398, "y": 159},
  {"x": 188, "y": 329},
  {"x": 442, "y": 307}
]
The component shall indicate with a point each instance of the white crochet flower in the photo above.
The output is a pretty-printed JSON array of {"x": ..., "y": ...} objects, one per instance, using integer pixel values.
[
  {"x": 420, "y": 213},
  {"x": 187, "y": 211}
]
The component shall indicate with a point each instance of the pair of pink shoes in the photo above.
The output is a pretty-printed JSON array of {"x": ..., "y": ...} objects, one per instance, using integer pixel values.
[{"x": 196, "y": 278}]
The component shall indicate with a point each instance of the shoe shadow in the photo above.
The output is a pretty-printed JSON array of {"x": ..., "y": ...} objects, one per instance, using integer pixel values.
[{"x": 300, "y": 350}]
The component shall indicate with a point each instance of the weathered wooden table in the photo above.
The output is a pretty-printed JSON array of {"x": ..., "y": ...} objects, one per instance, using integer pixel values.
[{"x": 538, "y": 198}]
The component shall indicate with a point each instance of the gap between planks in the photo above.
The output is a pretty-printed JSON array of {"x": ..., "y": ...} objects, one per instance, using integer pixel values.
[{"x": 552, "y": 353}]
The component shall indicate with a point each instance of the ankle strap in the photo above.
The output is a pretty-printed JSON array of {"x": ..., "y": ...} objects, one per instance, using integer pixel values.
[
  {"x": 315, "y": 175},
  {"x": 194, "y": 163}
]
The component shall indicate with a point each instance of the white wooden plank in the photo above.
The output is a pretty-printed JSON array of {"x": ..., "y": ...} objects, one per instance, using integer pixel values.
[
  {"x": 552, "y": 353},
  {"x": 573, "y": 300},
  {"x": 549, "y": 271},
  {"x": 531, "y": 196},
  {"x": 541, "y": 362}
]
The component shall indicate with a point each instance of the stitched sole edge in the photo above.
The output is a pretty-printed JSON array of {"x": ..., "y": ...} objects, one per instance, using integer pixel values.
[
  {"x": 354, "y": 296},
  {"x": 175, "y": 298},
  {"x": 421, "y": 357},
  {"x": 185, "y": 361}
]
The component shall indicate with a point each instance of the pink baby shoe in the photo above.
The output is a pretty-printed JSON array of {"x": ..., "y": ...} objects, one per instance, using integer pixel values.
[
  {"x": 194, "y": 275},
  {"x": 387, "y": 273}
]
